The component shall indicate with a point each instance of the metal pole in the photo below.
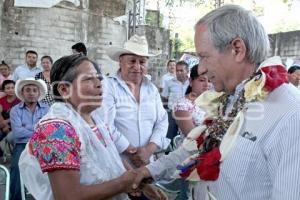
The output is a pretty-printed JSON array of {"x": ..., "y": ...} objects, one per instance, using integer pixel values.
[{"x": 134, "y": 17}]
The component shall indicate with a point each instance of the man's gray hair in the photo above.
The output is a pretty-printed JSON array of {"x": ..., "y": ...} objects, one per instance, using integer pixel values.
[{"x": 231, "y": 21}]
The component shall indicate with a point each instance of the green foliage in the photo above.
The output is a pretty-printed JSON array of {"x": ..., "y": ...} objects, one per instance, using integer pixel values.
[{"x": 151, "y": 18}]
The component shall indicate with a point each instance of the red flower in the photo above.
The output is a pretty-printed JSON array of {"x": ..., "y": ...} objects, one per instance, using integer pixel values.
[
  {"x": 209, "y": 166},
  {"x": 200, "y": 140},
  {"x": 276, "y": 75},
  {"x": 208, "y": 121}
]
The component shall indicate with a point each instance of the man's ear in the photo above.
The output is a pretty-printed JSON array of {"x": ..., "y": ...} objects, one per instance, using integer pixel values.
[{"x": 239, "y": 49}]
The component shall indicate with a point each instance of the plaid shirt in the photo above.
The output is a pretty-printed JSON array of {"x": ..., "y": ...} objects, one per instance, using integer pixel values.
[{"x": 48, "y": 98}]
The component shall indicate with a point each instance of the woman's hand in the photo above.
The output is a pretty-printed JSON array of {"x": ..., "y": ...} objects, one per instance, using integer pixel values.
[
  {"x": 127, "y": 180},
  {"x": 152, "y": 192}
]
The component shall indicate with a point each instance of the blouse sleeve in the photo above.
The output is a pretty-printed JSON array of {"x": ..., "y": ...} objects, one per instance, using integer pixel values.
[
  {"x": 182, "y": 105},
  {"x": 56, "y": 146}
]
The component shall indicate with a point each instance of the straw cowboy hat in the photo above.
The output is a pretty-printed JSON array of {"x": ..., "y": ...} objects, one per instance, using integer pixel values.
[
  {"x": 31, "y": 81},
  {"x": 137, "y": 45}
]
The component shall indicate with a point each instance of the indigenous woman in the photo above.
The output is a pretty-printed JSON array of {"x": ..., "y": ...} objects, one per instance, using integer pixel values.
[{"x": 71, "y": 154}]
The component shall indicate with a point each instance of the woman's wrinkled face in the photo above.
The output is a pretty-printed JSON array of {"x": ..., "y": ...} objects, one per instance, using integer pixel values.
[
  {"x": 86, "y": 90},
  {"x": 46, "y": 64}
]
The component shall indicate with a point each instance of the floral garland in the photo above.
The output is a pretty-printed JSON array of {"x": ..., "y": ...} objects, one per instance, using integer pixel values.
[{"x": 214, "y": 139}]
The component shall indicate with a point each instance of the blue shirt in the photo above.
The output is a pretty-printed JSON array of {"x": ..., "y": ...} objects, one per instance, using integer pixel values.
[
  {"x": 174, "y": 90},
  {"x": 23, "y": 71},
  {"x": 23, "y": 121}
]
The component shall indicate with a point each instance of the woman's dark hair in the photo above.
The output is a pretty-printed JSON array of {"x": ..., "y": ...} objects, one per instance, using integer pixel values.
[
  {"x": 193, "y": 75},
  {"x": 47, "y": 57},
  {"x": 5, "y": 64},
  {"x": 6, "y": 82},
  {"x": 65, "y": 70}
]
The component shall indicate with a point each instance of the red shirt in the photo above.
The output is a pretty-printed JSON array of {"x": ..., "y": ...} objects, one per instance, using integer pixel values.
[{"x": 6, "y": 106}]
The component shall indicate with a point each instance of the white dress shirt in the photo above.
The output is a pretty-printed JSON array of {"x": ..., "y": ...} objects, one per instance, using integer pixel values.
[
  {"x": 166, "y": 77},
  {"x": 140, "y": 122},
  {"x": 265, "y": 163},
  {"x": 23, "y": 71},
  {"x": 174, "y": 90}
]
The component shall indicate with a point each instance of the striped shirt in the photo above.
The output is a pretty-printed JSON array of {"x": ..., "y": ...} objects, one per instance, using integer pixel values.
[{"x": 265, "y": 163}]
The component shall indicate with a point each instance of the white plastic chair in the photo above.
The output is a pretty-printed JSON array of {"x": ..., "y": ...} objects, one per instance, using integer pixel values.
[{"x": 4, "y": 180}]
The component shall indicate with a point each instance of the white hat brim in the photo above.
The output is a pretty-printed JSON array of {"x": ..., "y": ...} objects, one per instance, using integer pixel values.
[
  {"x": 114, "y": 53},
  {"x": 39, "y": 83}
]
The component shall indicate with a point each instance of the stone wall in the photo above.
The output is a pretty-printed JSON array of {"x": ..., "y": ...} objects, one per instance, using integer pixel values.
[
  {"x": 286, "y": 45},
  {"x": 158, "y": 39},
  {"x": 53, "y": 31}
]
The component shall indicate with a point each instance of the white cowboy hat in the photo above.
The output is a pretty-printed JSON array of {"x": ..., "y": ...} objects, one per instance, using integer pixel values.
[
  {"x": 31, "y": 81},
  {"x": 137, "y": 45}
]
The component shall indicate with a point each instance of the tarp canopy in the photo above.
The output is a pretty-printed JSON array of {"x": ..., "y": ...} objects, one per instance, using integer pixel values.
[{"x": 42, "y": 3}]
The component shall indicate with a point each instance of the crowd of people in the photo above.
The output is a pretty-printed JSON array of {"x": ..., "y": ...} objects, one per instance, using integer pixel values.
[{"x": 79, "y": 135}]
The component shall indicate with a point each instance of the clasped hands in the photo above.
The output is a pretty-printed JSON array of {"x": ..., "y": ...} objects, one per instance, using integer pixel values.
[
  {"x": 135, "y": 183},
  {"x": 139, "y": 178}
]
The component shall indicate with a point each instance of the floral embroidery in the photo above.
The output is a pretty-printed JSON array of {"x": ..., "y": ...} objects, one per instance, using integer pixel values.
[
  {"x": 56, "y": 146},
  {"x": 206, "y": 162},
  {"x": 184, "y": 104}
]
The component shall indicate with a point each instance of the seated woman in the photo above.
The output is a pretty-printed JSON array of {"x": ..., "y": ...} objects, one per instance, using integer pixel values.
[
  {"x": 4, "y": 75},
  {"x": 6, "y": 103},
  {"x": 71, "y": 154}
]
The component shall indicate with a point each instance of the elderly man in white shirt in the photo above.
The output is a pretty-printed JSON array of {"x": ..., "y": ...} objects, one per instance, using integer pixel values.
[
  {"x": 248, "y": 148},
  {"x": 132, "y": 104},
  {"x": 29, "y": 69}
]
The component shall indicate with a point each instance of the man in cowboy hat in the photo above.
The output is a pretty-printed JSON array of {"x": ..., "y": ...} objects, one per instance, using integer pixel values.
[
  {"x": 23, "y": 118},
  {"x": 133, "y": 102}
]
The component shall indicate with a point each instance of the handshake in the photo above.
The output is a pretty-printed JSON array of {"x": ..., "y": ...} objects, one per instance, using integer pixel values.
[{"x": 138, "y": 181}]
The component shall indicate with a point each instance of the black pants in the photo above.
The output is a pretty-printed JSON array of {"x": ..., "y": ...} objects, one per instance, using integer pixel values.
[{"x": 173, "y": 128}]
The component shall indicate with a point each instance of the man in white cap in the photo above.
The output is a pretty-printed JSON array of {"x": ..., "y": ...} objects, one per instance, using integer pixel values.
[
  {"x": 23, "y": 118},
  {"x": 133, "y": 103}
]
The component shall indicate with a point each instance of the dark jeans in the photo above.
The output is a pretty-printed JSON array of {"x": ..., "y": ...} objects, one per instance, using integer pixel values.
[
  {"x": 173, "y": 128},
  {"x": 15, "y": 187}
]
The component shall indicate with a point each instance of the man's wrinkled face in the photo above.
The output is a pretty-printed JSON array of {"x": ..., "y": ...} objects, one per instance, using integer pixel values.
[
  {"x": 216, "y": 65},
  {"x": 133, "y": 67}
]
